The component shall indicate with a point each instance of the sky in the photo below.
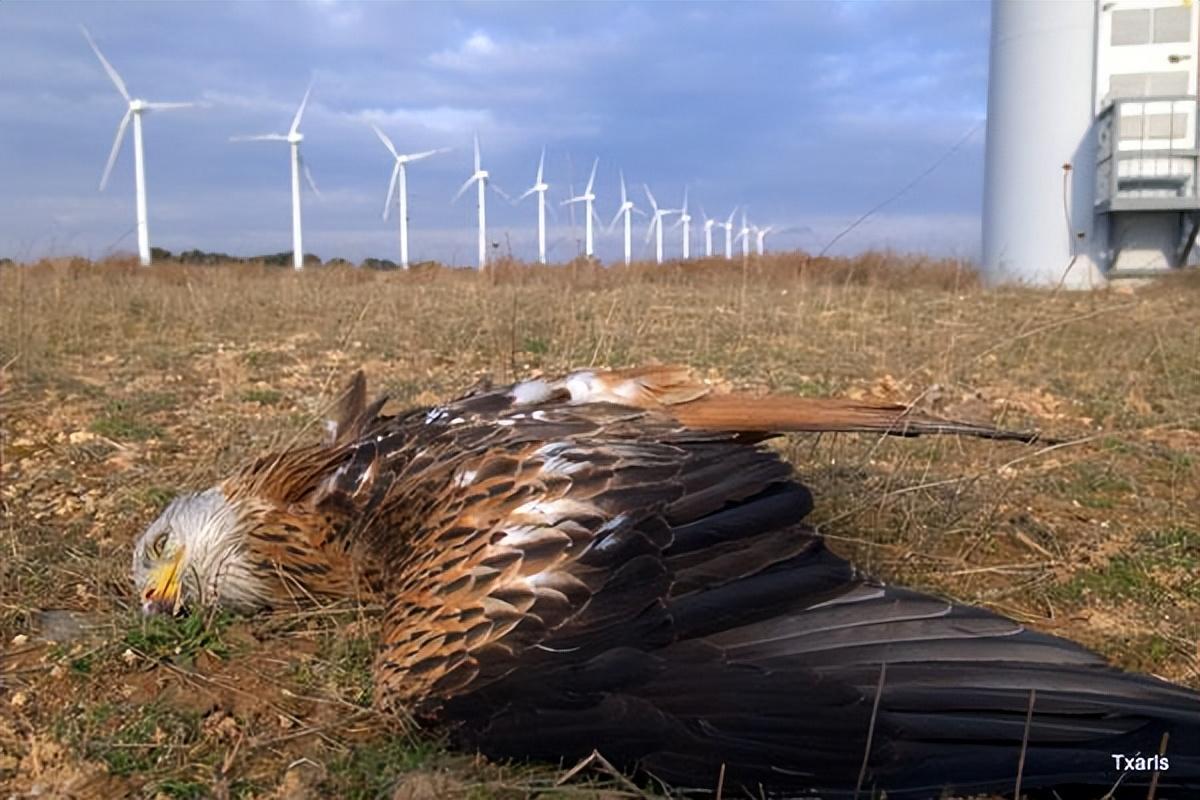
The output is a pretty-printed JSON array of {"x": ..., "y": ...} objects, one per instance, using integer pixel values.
[{"x": 807, "y": 114}]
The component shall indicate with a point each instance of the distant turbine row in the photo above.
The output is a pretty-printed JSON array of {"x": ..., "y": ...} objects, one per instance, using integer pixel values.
[{"x": 398, "y": 190}]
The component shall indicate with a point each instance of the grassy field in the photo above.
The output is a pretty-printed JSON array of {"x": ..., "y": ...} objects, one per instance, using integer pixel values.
[{"x": 121, "y": 386}]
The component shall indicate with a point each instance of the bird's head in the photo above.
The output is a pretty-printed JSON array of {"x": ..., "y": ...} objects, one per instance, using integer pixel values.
[{"x": 194, "y": 554}]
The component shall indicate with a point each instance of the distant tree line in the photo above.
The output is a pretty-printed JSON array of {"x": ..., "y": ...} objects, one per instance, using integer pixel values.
[{"x": 283, "y": 259}]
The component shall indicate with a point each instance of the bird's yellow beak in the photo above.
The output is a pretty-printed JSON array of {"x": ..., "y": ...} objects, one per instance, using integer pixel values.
[{"x": 163, "y": 588}]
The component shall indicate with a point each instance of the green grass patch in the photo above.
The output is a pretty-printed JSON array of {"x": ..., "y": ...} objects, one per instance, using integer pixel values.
[
  {"x": 344, "y": 669},
  {"x": 121, "y": 425},
  {"x": 372, "y": 768},
  {"x": 1176, "y": 547},
  {"x": 535, "y": 345},
  {"x": 132, "y": 739},
  {"x": 181, "y": 640},
  {"x": 183, "y": 789},
  {"x": 1161, "y": 568},
  {"x": 264, "y": 397},
  {"x": 126, "y": 419},
  {"x": 158, "y": 497}
]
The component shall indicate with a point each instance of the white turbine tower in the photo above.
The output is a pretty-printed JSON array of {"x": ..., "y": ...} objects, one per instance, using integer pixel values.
[
  {"x": 137, "y": 107},
  {"x": 539, "y": 186},
  {"x": 744, "y": 236},
  {"x": 728, "y": 226},
  {"x": 588, "y": 198},
  {"x": 293, "y": 137},
  {"x": 400, "y": 176},
  {"x": 708, "y": 226},
  {"x": 760, "y": 235},
  {"x": 685, "y": 220},
  {"x": 656, "y": 226},
  {"x": 627, "y": 208},
  {"x": 483, "y": 182}
]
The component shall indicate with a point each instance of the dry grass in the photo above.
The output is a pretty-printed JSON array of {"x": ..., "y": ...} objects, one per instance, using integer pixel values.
[{"x": 121, "y": 386}]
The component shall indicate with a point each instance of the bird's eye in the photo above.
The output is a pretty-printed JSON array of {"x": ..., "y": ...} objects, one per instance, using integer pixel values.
[{"x": 157, "y": 546}]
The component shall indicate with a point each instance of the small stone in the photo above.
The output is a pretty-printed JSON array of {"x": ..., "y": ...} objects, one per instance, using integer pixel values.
[
  {"x": 57, "y": 671},
  {"x": 19, "y": 639},
  {"x": 80, "y": 437},
  {"x": 18, "y": 699},
  {"x": 129, "y": 657}
]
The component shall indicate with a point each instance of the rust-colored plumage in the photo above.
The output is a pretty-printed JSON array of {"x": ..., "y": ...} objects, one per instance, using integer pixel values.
[{"x": 610, "y": 560}]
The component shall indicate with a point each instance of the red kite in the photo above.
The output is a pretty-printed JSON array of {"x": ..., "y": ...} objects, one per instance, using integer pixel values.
[{"x": 612, "y": 561}]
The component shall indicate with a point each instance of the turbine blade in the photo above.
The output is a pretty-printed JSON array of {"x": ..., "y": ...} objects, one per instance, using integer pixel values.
[
  {"x": 308, "y": 177},
  {"x": 685, "y": 199},
  {"x": 541, "y": 164},
  {"x": 526, "y": 193},
  {"x": 616, "y": 217},
  {"x": 624, "y": 198},
  {"x": 572, "y": 200},
  {"x": 426, "y": 154},
  {"x": 650, "y": 197},
  {"x": 499, "y": 191},
  {"x": 168, "y": 106},
  {"x": 463, "y": 188},
  {"x": 386, "y": 141},
  {"x": 264, "y": 137},
  {"x": 300, "y": 111},
  {"x": 387, "y": 201},
  {"x": 592, "y": 177},
  {"x": 729, "y": 222},
  {"x": 477, "y": 160},
  {"x": 109, "y": 68},
  {"x": 116, "y": 148},
  {"x": 637, "y": 210}
]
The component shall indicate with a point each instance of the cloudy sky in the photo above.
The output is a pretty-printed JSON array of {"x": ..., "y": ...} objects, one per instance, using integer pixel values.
[{"x": 808, "y": 113}]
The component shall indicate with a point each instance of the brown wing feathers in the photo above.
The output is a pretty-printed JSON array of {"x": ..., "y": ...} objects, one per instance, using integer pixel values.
[
  {"x": 698, "y": 406},
  {"x": 500, "y": 515}
]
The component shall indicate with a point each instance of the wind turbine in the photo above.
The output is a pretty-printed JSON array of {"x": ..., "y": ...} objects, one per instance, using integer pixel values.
[
  {"x": 400, "y": 175},
  {"x": 539, "y": 186},
  {"x": 480, "y": 178},
  {"x": 708, "y": 226},
  {"x": 685, "y": 219},
  {"x": 728, "y": 226},
  {"x": 744, "y": 235},
  {"x": 137, "y": 107},
  {"x": 656, "y": 224},
  {"x": 588, "y": 198},
  {"x": 293, "y": 137},
  {"x": 627, "y": 208},
  {"x": 760, "y": 235}
]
